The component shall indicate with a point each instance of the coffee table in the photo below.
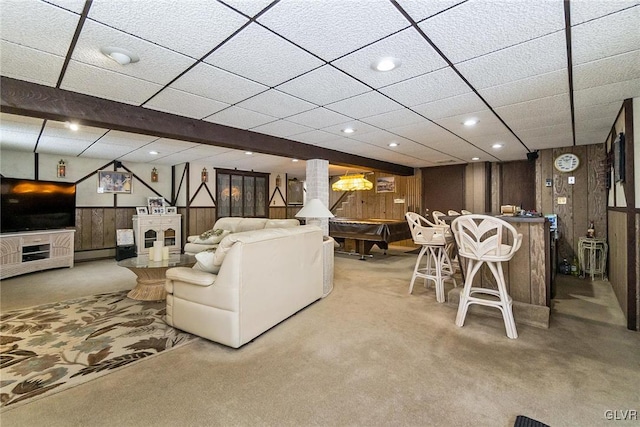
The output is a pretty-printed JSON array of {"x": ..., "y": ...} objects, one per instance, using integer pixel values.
[{"x": 151, "y": 275}]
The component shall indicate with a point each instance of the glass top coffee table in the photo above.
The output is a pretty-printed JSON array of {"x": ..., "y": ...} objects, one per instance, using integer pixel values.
[{"x": 151, "y": 274}]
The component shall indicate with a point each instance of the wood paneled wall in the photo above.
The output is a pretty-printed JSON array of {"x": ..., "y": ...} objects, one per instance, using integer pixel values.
[{"x": 96, "y": 227}]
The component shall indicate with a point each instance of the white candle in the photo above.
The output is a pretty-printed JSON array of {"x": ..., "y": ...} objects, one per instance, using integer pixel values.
[
  {"x": 157, "y": 244},
  {"x": 165, "y": 252},
  {"x": 151, "y": 255}
]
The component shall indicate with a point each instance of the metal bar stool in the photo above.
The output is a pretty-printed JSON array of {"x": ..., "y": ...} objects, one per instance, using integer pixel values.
[
  {"x": 480, "y": 241},
  {"x": 595, "y": 261},
  {"x": 433, "y": 239}
]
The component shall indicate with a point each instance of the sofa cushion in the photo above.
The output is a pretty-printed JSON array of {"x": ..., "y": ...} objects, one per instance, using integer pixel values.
[
  {"x": 239, "y": 224},
  {"x": 211, "y": 237},
  {"x": 205, "y": 261},
  {"x": 281, "y": 223}
]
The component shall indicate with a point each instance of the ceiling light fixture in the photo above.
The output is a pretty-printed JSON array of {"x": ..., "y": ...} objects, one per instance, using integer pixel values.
[
  {"x": 294, "y": 160},
  {"x": 153, "y": 153},
  {"x": 470, "y": 122},
  {"x": 348, "y": 130},
  {"x": 121, "y": 56},
  {"x": 73, "y": 126},
  {"x": 475, "y": 158},
  {"x": 386, "y": 64},
  {"x": 497, "y": 145},
  {"x": 248, "y": 153},
  {"x": 393, "y": 144},
  {"x": 355, "y": 182}
]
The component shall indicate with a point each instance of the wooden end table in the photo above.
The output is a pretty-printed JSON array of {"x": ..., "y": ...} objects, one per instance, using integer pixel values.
[{"x": 151, "y": 275}]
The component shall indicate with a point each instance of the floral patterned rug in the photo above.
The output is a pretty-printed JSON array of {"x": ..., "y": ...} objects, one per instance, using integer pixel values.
[{"x": 52, "y": 347}]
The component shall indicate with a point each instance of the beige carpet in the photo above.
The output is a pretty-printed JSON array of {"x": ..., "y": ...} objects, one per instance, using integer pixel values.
[{"x": 367, "y": 355}]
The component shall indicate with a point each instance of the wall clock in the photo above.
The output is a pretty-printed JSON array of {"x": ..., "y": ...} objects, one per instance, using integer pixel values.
[{"x": 567, "y": 162}]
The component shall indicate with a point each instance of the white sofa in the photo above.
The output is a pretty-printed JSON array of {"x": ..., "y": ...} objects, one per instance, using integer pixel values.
[
  {"x": 264, "y": 277},
  {"x": 196, "y": 244}
]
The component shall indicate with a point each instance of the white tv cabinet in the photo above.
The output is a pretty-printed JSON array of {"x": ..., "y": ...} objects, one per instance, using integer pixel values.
[
  {"x": 30, "y": 251},
  {"x": 165, "y": 228}
]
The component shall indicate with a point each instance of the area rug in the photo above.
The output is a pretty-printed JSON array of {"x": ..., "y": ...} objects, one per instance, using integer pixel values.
[{"x": 52, "y": 347}]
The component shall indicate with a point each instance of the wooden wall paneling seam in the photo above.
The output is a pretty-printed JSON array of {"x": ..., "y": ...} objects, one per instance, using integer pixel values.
[
  {"x": 487, "y": 189},
  {"x": 580, "y": 195}
]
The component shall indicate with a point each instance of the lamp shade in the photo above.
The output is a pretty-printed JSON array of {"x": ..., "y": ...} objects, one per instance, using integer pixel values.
[
  {"x": 314, "y": 209},
  {"x": 353, "y": 182}
]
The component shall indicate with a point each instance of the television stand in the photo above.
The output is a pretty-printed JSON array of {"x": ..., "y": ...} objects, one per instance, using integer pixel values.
[{"x": 30, "y": 251}]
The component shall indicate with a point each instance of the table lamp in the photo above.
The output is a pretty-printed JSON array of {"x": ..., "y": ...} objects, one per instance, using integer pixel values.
[{"x": 314, "y": 211}]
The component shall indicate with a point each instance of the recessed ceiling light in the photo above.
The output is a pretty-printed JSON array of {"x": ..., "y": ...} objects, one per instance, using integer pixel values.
[
  {"x": 475, "y": 158},
  {"x": 120, "y": 55},
  {"x": 153, "y": 153},
  {"x": 294, "y": 160},
  {"x": 348, "y": 130},
  {"x": 470, "y": 122},
  {"x": 73, "y": 126},
  {"x": 497, "y": 145},
  {"x": 393, "y": 144},
  {"x": 248, "y": 153},
  {"x": 386, "y": 64}
]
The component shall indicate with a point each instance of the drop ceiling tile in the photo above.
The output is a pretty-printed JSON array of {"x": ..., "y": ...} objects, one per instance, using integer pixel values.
[
  {"x": 319, "y": 118},
  {"x": 259, "y": 55},
  {"x": 492, "y": 26},
  {"x": 586, "y": 10},
  {"x": 593, "y": 122},
  {"x": 540, "y": 56},
  {"x": 107, "y": 84},
  {"x": 75, "y": 6},
  {"x": 394, "y": 119},
  {"x": 419, "y": 10},
  {"x": 333, "y": 28},
  {"x": 281, "y": 128},
  {"x": 429, "y": 87},
  {"x": 18, "y": 132},
  {"x": 416, "y": 57},
  {"x": 184, "y": 104},
  {"x": 276, "y": 103},
  {"x": 25, "y": 63},
  {"x": 157, "y": 64},
  {"x": 57, "y": 138},
  {"x": 527, "y": 89},
  {"x": 378, "y": 137},
  {"x": 609, "y": 70},
  {"x": 314, "y": 137},
  {"x": 240, "y": 118},
  {"x": 547, "y": 137},
  {"x": 358, "y": 126},
  {"x": 101, "y": 150},
  {"x": 454, "y": 106},
  {"x": 37, "y": 25},
  {"x": 214, "y": 83},
  {"x": 553, "y": 110},
  {"x": 607, "y": 93},
  {"x": 365, "y": 105},
  {"x": 193, "y": 28},
  {"x": 131, "y": 140},
  {"x": 487, "y": 124},
  {"x": 424, "y": 132},
  {"x": 62, "y": 130},
  {"x": 608, "y": 36},
  {"x": 323, "y": 85},
  {"x": 249, "y": 7}
]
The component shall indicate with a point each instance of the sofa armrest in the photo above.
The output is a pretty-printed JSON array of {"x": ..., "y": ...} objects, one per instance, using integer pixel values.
[{"x": 191, "y": 276}]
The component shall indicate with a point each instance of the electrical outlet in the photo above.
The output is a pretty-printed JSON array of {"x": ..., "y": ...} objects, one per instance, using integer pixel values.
[
  {"x": 548, "y": 182},
  {"x": 572, "y": 180},
  {"x": 562, "y": 200}
]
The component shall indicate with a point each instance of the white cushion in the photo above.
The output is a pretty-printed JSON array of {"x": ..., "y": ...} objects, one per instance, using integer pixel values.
[
  {"x": 205, "y": 261},
  {"x": 211, "y": 237}
]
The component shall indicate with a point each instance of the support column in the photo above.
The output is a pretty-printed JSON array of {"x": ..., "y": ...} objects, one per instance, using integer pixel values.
[{"x": 317, "y": 183}]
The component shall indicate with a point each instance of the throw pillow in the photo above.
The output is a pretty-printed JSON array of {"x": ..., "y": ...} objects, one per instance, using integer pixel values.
[
  {"x": 211, "y": 237},
  {"x": 204, "y": 261}
]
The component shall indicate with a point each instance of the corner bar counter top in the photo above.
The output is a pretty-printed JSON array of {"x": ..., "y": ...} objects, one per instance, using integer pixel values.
[{"x": 529, "y": 273}]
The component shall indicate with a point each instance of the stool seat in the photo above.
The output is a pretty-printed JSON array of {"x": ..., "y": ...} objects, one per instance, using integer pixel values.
[{"x": 592, "y": 256}]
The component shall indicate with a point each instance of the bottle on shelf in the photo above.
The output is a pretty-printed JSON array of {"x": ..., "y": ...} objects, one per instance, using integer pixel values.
[
  {"x": 591, "y": 231},
  {"x": 575, "y": 270}
]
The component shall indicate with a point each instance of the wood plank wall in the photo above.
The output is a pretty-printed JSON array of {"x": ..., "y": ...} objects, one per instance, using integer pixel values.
[{"x": 96, "y": 226}]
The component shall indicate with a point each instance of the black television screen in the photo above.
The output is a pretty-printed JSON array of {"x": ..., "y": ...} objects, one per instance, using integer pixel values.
[{"x": 37, "y": 205}]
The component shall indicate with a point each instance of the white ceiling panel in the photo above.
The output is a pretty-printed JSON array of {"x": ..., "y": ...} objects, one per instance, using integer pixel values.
[
  {"x": 211, "y": 82},
  {"x": 319, "y": 118},
  {"x": 276, "y": 103},
  {"x": 609, "y": 70},
  {"x": 527, "y": 89},
  {"x": 315, "y": 137},
  {"x": 193, "y": 27},
  {"x": 365, "y": 105},
  {"x": 75, "y": 6},
  {"x": 107, "y": 84},
  {"x": 157, "y": 64},
  {"x": 323, "y": 86},
  {"x": 606, "y": 94},
  {"x": 29, "y": 64},
  {"x": 258, "y": 54},
  {"x": 417, "y": 58},
  {"x": 394, "y": 119},
  {"x": 553, "y": 110},
  {"x": 333, "y": 28},
  {"x": 184, "y": 104},
  {"x": 249, "y": 7},
  {"x": 100, "y": 150},
  {"x": 240, "y": 118},
  {"x": 131, "y": 140},
  {"x": 593, "y": 122},
  {"x": 19, "y": 133},
  {"x": 490, "y": 26},
  {"x": 453, "y": 106},
  {"x": 439, "y": 84},
  {"x": 539, "y": 56},
  {"x": 57, "y": 138},
  {"x": 488, "y": 124},
  {"x": 586, "y": 10},
  {"x": 37, "y": 25},
  {"x": 357, "y": 126},
  {"x": 281, "y": 128},
  {"x": 419, "y": 10},
  {"x": 614, "y": 34},
  {"x": 425, "y": 133}
]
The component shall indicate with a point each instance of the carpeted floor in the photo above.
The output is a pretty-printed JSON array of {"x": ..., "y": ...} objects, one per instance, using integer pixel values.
[{"x": 369, "y": 354}]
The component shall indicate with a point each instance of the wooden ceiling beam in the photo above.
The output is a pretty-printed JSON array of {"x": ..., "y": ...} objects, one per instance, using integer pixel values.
[{"x": 45, "y": 102}]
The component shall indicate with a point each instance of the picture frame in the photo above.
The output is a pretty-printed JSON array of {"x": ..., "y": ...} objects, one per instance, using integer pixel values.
[
  {"x": 114, "y": 182},
  {"x": 142, "y": 210},
  {"x": 155, "y": 202},
  {"x": 171, "y": 210},
  {"x": 295, "y": 192},
  {"x": 124, "y": 237},
  {"x": 386, "y": 184}
]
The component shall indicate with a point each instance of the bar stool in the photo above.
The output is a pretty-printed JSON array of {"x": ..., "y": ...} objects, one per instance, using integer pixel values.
[
  {"x": 595, "y": 261},
  {"x": 433, "y": 240},
  {"x": 451, "y": 212},
  {"x": 479, "y": 239}
]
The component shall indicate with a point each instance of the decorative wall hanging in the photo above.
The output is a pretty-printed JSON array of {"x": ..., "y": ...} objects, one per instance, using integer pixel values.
[
  {"x": 114, "y": 182},
  {"x": 204, "y": 175},
  {"x": 154, "y": 175},
  {"x": 295, "y": 192},
  {"x": 62, "y": 169},
  {"x": 386, "y": 184},
  {"x": 156, "y": 205}
]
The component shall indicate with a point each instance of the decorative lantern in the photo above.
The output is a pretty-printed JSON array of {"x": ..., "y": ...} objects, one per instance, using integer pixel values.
[
  {"x": 62, "y": 169},
  {"x": 154, "y": 175},
  {"x": 204, "y": 175},
  {"x": 278, "y": 181}
]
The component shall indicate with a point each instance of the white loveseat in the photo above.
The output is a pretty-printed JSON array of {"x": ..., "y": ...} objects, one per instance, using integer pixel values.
[
  {"x": 199, "y": 243},
  {"x": 264, "y": 277}
]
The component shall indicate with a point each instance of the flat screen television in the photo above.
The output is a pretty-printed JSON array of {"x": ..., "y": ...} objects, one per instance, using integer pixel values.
[{"x": 36, "y": 205}]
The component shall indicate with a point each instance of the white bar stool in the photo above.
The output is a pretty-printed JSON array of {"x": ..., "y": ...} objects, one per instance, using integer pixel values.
[
  {"x": 480, "y": 241},
  {"x": 433, "y": 239},
  {"x": 595, "y": 261}
]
